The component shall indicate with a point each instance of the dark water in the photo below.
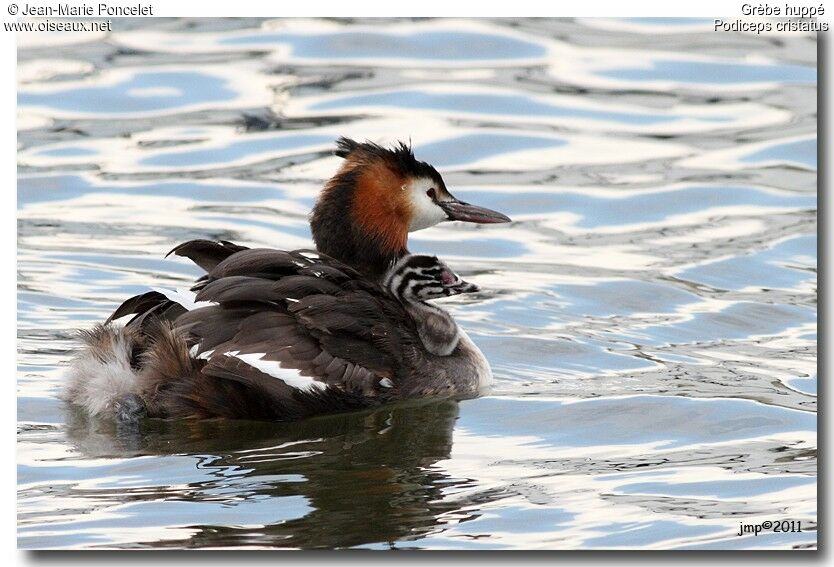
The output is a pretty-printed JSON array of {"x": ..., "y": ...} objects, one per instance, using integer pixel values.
[{"x": 650, "y": 315}]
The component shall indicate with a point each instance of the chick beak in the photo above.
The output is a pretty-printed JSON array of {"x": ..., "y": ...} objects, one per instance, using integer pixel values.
[
  {"x": 460, "y": 211},
  {"x": 462, "y": 286}
]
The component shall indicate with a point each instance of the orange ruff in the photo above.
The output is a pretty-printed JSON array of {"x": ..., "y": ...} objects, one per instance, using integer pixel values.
[{"x": 381, "y": 207}]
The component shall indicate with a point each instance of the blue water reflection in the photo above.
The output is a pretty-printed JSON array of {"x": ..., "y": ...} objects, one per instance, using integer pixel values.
[
  {"x": 728, "y": 489},
  {"x": 715, "y": 73},
  {"x": 68, "y": 151},
  {"x": 466, "y": 149},
  {"x": 631, "y": 534},
  {"x": 39, "y": 189},
  {"x": 641, "y": 420},
  {"x": 428, "y": 45},
  {"x": 144, "y": 91},
  {"x": 803, "y": 152},
  {"x": 595, "y": 211},
  {"x": 235, "y": 151},
  {"x": 787, "y": 265},
  {"x": 482, "y": 103}
]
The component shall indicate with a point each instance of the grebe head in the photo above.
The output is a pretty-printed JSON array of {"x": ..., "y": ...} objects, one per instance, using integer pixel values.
[
  {"x": 378, "y": 196},
  {"x": 419, "y": 277}
]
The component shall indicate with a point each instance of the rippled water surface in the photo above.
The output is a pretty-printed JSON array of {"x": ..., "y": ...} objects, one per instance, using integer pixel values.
[{"x": 650, "y": 314}]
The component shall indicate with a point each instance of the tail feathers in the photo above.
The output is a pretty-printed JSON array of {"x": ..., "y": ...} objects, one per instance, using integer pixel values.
[
  {"x": 166, "y": 365},
  {"x": 206, "y": 253},
  {"x": 102, "y": 373},
  {"x": 121, "y": 363}
]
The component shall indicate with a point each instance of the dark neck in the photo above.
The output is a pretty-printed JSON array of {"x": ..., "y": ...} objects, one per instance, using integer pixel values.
[{"x": 336, "y": 234}]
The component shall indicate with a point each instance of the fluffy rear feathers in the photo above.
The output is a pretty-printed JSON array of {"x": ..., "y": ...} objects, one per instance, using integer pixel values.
[{"x": 102, "y": 373}]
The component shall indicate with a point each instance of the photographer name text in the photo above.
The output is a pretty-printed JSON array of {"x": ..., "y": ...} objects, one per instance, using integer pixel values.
[{"x": 87, "y": 10}]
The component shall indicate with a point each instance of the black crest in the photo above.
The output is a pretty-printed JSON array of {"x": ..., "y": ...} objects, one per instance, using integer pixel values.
[{"x": 400, "y": 155}]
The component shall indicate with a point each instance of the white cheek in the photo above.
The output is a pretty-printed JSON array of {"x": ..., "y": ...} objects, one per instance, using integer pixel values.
[{"x": 426, "y": 212}]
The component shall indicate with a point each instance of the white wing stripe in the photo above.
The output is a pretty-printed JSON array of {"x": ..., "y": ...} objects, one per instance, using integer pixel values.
[
  {"x": 183, "y": 297},
  {"x": 290, "y": 376}
]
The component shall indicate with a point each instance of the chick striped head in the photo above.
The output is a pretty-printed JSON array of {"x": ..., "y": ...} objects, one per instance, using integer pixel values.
[{"x": 419, "y": 277}]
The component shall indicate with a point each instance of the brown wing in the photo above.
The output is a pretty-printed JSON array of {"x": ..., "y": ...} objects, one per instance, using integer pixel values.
[
  {"x": 302, "y": 313},
  {"x": 206, "y": 253},
  {"x": 307, "y": 312},
  {"x": 174, "y": 384}
]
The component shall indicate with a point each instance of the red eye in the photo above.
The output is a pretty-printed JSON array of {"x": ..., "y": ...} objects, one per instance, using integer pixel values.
[{"x": 431, "y": 194}]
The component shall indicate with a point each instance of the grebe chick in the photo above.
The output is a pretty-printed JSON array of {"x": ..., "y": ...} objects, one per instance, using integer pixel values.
[{"x": 417, "y": 278}]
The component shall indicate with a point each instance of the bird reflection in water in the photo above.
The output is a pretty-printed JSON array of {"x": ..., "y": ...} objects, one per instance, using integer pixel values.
[{"x": 368, "y": 477}]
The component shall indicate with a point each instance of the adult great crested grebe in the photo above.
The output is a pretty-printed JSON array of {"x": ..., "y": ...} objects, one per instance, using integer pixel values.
[{"x": 280, "y": 335}]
